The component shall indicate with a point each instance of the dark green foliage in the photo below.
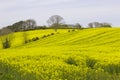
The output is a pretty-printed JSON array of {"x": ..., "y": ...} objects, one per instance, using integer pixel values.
[
  {"x": 90, "y": 62},
  {"x": 99, "y": 74},
  {"x": 68, "y": 30},
  {"x": 26, "y": 41},
  {"x": 73, "y": 30},
  {"x": 1, "y": 73},
  {"x": 48, "y": 35},
  {"x": 71, "y": 61},
  {"x": 27, "y": 25},
  {"x": 62, "y": 26},
  {"x": 52, "y": 33},
  {"x": 40, "y": 27},
  {"x": 112, "y": 68},
  {"x": 29, "y": 40},
  {"x": 18, "y": 26},
  {"x": 35, "y": 38},
  {"x": 6, "y": 37},
  {"x": 6, "y": 44},
  {"x": 25, "y": 37},
  {"x": 44, "y": 36},
  {"x": 107, "y": 26}
]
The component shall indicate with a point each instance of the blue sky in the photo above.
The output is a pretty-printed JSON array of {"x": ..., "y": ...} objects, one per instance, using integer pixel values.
[{"x": 73, "y": 11}]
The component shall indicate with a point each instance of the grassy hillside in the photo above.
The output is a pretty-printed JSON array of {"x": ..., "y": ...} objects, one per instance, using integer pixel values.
[{"x": 89, "y": 54}]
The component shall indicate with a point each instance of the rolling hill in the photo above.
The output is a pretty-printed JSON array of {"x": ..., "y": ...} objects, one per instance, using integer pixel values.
[{"x": 88, "y": 54}]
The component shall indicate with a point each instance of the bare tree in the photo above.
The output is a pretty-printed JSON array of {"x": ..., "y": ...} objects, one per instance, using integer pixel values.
[
  {"x": 55, "y": 21},
  {"x": 77, "y": 25},
  {"x": 98, "y": 25},
  {"x": 6, "y": 37},
  {"x": 30, "y": 24},
  {"x": 106, "y": 25},
  {"x": 90, "y": 25}
]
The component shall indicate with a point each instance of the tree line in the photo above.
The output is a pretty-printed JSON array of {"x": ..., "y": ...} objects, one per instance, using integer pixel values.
[
  {"x": 54, "y": 22},
  {"x": 23, "y": 25},
  {"x": 98, "y": 25}
]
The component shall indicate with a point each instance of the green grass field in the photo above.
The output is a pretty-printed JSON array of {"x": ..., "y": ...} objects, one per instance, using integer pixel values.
[{"x": 88, "y": 54}]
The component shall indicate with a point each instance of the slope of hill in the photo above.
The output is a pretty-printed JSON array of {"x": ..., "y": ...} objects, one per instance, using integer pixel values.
[{"x": 89, "y": 54}]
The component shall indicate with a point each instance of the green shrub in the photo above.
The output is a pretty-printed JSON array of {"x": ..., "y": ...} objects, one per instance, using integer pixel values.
[
  {"x": 26, "y": 41},
  {"x": 29, "y": 40},
  {"x": 71, "y": 61},
  {"x": 48, "y": 35},
  {"x": 6, "y": 44},
  {"x": 68, "y": 30},
  {"x": 37, "y": 38},
  {"x": 90, "y": 62},
  {"x": 73, "y": 30},
  {"x": 52, "y": 33},
  {"x": 33, "y": 39},
  {"x": 112, "y": 68},
  {"x": 44, "y": 36}
]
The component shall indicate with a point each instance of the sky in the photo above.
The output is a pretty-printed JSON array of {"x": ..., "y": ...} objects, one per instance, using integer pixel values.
[{"x": 73, "y": 11}]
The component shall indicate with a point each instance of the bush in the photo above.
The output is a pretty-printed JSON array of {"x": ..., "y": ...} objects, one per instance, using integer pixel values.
[
  {"x": 99, "y": 74},
  {"x": 52, "y": 33},
  {"x": 73, "y": 30},
  {"x": 48, "y": 35},
  {"x": 29, "y": 40},
  {"x": 1, "y": 73},
  {"x": 44, "y": 36},
  {"x": 71, "y": 61},
  {"x": 6, "y": 44},
  {"x": 26, "y": 41},
  {"x": 33, "y": 39},
  {"x": 112, "y": 68},
  {"x": 37, "y": 38},
  {"x": 68, "y": 30},
  {"x": 90, "y": 62}
]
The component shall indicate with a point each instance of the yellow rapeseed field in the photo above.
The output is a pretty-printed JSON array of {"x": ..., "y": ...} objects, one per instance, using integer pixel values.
[{"x": 88, "y": 54}]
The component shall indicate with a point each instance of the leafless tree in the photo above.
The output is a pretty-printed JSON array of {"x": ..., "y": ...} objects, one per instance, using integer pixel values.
[
  {"x": 90, "y": 25},
  {"x": 98, "y": 25},
  {"x": 77, "y": 25},
  {"x": 55, "y": 21},
  {"x": 30, "y": 24},
  {"x": 106, "y": 24}
]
